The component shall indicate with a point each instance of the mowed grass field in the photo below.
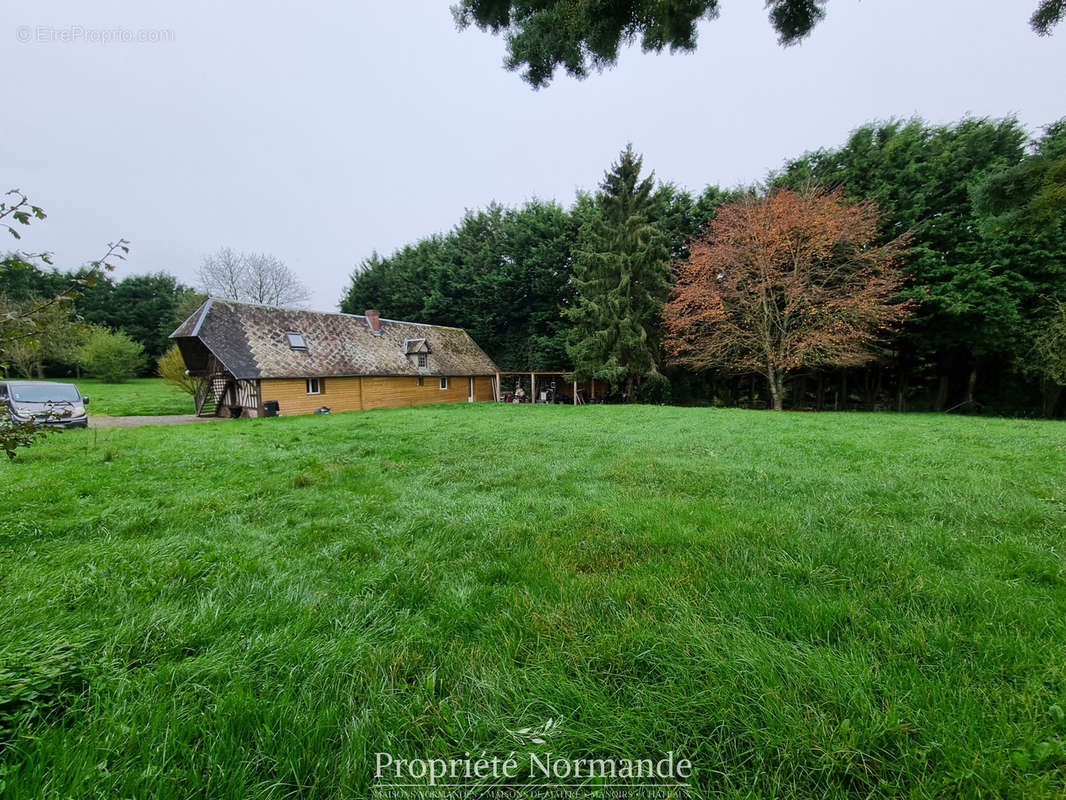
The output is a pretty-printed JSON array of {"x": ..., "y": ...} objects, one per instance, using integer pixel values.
[
  {"x": 135, "y": 397},
  {"x": 839, "y": 605}
]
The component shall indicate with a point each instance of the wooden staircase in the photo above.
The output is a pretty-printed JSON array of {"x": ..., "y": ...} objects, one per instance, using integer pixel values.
[{"x": 211, "y": 395}]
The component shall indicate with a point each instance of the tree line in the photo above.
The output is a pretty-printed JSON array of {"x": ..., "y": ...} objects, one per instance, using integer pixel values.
[
  {"x": 141, "y": 310},
  {"x": 84, "y": 319},
  {"x": 590, "y": 287}
]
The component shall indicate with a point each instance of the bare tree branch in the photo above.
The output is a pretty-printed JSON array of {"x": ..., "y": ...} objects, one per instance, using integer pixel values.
[{"x": 251, "y": 278}]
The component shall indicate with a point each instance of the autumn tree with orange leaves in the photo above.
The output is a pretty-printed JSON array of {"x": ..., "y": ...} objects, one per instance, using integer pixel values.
[{"x": 785, "y": 282}]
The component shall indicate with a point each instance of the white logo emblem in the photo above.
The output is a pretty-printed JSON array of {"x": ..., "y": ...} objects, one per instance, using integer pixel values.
[{"x": 535, "y": 735}]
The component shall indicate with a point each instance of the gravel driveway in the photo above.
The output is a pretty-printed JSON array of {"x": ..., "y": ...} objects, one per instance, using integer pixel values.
[{"x": 137, "y": 422}]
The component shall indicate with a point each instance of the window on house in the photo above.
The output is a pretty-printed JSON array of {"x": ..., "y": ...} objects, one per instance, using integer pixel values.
[
  {"x": 314, "y": 385},
  {"x": 423, "y": 360},
  {"x": 443, "y": 383},
  {"x": 420, "y": 382},
  {"x": 296, "y": 340}
]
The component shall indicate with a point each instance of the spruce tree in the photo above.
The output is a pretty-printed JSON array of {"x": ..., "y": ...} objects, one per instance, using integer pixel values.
[{"x": 620, "y": 276}]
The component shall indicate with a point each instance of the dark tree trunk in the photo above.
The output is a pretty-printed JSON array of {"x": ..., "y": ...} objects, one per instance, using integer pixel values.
[
  {"x": 941, "y": 394},
  {"x": 901, "y": 391},
  {"x": 971, "y": 382},
  {"x": 799, "y": 399},
  {"x": 819, "y": 402},
  {"x": 843, "y": 390},
  {"x": 1052, "y": 392}
]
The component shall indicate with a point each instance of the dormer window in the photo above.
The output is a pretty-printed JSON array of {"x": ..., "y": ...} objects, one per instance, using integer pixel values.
[
  {"x": 418, "y": 351},
  {"x": 296, "y": 340}
]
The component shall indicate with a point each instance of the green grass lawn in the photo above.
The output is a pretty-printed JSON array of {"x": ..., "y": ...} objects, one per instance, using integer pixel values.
[
  {"x": 136, "y": 397},
  {"x": 804, "y": 605}
]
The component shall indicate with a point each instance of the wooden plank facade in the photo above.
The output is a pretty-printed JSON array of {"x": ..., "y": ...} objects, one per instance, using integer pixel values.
[{"x": 362, "y": 393}]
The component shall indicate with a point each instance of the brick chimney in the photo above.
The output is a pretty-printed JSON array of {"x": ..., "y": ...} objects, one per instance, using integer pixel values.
[{"x": 373, "y": 319}]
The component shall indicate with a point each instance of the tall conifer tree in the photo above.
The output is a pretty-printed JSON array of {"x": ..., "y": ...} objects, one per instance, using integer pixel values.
[{"x": 620, "y": 276}]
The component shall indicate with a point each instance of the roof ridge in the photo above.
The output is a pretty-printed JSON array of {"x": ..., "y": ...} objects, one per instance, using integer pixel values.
[{"x": 328, "y": 313}]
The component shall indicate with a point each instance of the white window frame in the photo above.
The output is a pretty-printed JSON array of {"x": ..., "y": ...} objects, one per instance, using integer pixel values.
[
  {"x": 317, "y": 382},
  {"x": 422, "y": 360},
  {"x": 443, "y": 383}
]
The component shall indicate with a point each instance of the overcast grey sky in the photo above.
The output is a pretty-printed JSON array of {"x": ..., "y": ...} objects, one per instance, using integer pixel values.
[{"x": 322, "y": 136}]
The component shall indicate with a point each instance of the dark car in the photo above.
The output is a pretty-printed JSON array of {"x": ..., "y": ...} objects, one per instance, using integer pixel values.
[{"x": 58, "y": 405}]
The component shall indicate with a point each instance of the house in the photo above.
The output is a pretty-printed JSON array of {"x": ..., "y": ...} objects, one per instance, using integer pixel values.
[{"x": 252, "y": 356}]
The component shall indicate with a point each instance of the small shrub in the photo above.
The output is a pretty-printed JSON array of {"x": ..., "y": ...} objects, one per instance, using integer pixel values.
[
  {"x": 171, "y": 368},
  {"x": 111, "y": 356}
]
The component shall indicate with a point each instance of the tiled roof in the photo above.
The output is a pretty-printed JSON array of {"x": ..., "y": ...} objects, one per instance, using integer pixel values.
[{"x": 249, "y": 340}]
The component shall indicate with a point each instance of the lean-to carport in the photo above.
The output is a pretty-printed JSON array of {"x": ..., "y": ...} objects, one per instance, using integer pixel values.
[{"x": 583, "y": 391}]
